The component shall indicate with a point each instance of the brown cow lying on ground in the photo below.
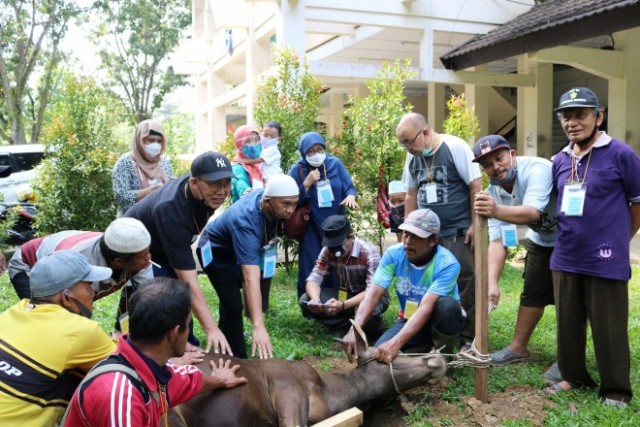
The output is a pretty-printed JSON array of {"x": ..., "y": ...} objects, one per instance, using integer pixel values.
[{"x": 286, "y": 393}]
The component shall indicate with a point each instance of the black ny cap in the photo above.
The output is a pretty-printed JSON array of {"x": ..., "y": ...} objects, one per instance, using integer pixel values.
[{"x": 211, "y": 166}]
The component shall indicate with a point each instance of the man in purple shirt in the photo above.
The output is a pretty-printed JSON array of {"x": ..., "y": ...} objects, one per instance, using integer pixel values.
[{"x": 597, "y": 179}]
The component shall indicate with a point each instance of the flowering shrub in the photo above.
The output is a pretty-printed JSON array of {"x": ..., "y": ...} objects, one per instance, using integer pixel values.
[{"x": 461, "y": 121}]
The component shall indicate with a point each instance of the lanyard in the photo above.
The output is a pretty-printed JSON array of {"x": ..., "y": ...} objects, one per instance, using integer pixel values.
[
  {"x": 575, "y": 177},
  {"x": 429, "y": 168},
  {"x": 343, "y": 274}
]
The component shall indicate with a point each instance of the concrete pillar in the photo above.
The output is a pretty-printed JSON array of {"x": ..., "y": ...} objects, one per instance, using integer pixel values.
[
  {"x": 478, "y": 101},
  {"x": 435, "y": 105},
  {"x": 624, "y": 108},
  {"x": 535, "y": 110},
  {"x": 290, "y": 26}
]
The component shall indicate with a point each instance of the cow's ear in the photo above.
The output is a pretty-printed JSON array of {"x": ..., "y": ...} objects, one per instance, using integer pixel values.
[{"x": 361, "y": 340}]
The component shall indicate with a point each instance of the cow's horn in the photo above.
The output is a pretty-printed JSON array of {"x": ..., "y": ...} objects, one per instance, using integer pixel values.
[{"x": 361, "y": 337}]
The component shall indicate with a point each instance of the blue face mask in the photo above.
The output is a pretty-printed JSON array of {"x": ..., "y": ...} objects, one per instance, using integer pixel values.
[
  {"x": 252, "y": 151},
  {"x": 511, "y": 175}
]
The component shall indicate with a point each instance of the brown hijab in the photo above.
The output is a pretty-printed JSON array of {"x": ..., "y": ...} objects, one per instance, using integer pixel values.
[{"x": 149, "y": 171}]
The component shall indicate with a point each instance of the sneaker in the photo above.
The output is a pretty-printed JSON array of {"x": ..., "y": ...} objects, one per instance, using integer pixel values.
[
  {"x": 506, "y": 357},
  {"x": 612, "y": 403},
  {"x": 552, "y": 375}
]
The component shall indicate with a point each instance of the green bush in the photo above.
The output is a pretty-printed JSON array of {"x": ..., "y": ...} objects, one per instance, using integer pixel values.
[{"x": 74, "y": 186}]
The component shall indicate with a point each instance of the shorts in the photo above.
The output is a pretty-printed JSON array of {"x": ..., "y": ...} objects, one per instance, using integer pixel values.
[{"x": 538, "y": 283}]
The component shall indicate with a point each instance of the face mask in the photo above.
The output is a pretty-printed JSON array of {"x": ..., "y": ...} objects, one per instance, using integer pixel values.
[
  {"x": 511, "y": 175},
  {"x": 84, "y": 311},
  {"x": 252, "y": 151},
  {"x": 153, "y": 148},
  {"x": 589, "y": 138},
  {"x": 316, "y": 160},
  {"x": 337, "y": 251},
  {"x": 397, "y": 213},
  {"x": 268, "y": 142},
  {"x": 427, "y": 152}
]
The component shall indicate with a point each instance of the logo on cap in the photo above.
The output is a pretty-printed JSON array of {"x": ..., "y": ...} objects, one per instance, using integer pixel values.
[
  {"x": 220, "y": 163},
  {"x": 485, "y": 147},
  {"x": 573, "y": 93}
]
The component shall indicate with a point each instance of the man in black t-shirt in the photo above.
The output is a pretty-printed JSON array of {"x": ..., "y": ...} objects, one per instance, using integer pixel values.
[{"x": 175, "y": 215}]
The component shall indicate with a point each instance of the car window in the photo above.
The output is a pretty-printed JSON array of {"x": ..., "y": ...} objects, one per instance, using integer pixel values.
[{"x": 27, "y": 161}]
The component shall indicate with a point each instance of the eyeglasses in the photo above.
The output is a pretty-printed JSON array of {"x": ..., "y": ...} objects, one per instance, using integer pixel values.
[
  {"x": 406, "y": 144},
  {"x": 313, "y": 151},
  {"x": 221, "y": 184}
]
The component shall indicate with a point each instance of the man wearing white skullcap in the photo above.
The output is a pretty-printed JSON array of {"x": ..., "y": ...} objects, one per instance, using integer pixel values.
[
  {"x": 123, "y": 247},
  {"x": 241, "y": 245}
]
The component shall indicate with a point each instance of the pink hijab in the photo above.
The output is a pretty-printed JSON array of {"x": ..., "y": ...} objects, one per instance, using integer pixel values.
[{"x": 148, "y": 167}]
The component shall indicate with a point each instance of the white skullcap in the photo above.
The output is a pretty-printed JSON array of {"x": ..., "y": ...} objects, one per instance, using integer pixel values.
[
  {"x": 397, "y": 187},
  {"x": 281, "y": 185},
  {"x": 127, "y": 236}
]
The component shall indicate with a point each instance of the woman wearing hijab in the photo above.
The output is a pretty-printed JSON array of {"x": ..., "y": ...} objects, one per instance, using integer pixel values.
[
  {"x": 327, "y": 186},
  {"x": 248, "y": 176},
  {"x": 142, "y": 170}
]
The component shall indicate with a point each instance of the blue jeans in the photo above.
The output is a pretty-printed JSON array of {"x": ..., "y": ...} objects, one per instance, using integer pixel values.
[{"x": 447, "y": 318}]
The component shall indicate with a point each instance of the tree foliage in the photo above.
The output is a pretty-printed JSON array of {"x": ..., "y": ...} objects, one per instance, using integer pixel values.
[
  {"x": 291, "y": 97},
  {"x": 461, "y": 121},
  {"x": 367, "y": 143},
  {"x": 30, "y": 36},
  {"x": 74, "y": 186},
  {"x": 134, "y": 39}
]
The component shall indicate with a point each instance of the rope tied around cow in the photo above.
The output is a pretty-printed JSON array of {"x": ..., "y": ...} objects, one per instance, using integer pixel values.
[{"x": 471, "y": 357}]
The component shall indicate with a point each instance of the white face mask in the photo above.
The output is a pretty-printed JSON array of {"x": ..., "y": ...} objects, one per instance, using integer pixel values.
[
  {"x": 316, "y": 160},
  {"x": 268, "y": 142},
  {"x": 153, "y": 148}
]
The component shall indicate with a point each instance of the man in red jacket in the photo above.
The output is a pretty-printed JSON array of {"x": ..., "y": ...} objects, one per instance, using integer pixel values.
[{"x": 159, "y": 316}]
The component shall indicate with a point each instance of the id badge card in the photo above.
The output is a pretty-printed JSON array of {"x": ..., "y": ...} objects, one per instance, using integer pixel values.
[
  {"x": 124, "y": 323},
  {"x": 325, "y": 194},
  {"x": 410, "y": 308},
  {"x": 153, "y": 181},
  {"x": 509, "y": 235},
  {"x": 342, "y": 295},
  {"x": 573, "y": 199},
  {"x": 257, "y": 184},
  {"x": 207, "y": 256},
  {"x": 269, "y": 259},
  {"x": 431, "y": 192}
]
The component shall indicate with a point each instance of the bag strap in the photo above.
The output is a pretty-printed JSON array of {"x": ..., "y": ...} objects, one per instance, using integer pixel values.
[{"x": 111, "y": 364}]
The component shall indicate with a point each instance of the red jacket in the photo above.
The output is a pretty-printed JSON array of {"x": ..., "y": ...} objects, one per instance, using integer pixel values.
[{"x": 112, "y": 400}]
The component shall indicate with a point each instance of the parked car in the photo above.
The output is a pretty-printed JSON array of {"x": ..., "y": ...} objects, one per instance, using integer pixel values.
[{"x": 17, "y": 170}]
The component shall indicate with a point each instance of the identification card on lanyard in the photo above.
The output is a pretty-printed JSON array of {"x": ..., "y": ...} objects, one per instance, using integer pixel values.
[
  {"x": 269, "y": 259},
  {"x": 410, "y": 308},
  {"x": 509, "y": 235},
  {"x": 325, "y": 193},
  {"x": 124, "y": 323},
  {"x": 342, "y": 295},
  {"x": 573, "y": 198},
  {"x": 431, "y": 192},
  {"x": 206, "y": 254}
]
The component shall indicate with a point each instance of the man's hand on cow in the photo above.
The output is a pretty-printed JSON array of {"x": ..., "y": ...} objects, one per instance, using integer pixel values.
[
  {"x": 386, "y": 352},
  {"x": 262, "y": 342},
  {"x": 226, "y": 374},
  {"x": 218, "y": 342},
  {"x": 189, "y": 358},
  {"x": 349, "y": 345}
]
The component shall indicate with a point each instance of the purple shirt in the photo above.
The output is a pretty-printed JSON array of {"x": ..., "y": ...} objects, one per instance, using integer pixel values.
[{"x": 597, "y": 243}]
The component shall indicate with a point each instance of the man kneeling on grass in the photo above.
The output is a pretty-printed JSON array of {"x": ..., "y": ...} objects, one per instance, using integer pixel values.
[{"x": 425, "y": 276}]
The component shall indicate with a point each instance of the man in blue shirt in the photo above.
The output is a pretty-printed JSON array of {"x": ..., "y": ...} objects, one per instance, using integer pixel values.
[
  {"x": 425, "y": 278},
  {"x": 241, "y": 246}
]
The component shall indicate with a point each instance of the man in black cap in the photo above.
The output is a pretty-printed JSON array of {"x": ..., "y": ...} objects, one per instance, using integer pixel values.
[
  {"x": 519, "y": 194},
  {"x": 175, "y": 215},
  {"x": 597, "y": 179},
  {"x": 352, "y": 262}
]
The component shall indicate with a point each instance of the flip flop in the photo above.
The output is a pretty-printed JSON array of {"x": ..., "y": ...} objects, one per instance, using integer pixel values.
[
  {"x": 556, "y": 389},
  {"x": 506, "y": 357},
  {"x": 552, "y": 375}
]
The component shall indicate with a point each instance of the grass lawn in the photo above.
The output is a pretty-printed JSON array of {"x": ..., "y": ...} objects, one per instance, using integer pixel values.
[{"x": 294, "y": 337}]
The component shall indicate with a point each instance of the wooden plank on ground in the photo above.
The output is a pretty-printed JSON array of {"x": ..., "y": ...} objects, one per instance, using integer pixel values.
[
  {"x": 349, "y": 418},
  {"x": 481, "y": 243}
]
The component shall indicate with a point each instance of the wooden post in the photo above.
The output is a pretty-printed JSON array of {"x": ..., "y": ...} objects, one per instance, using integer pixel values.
[
  {"x": 481, "y": 243},
  {"x": 350, "y": 418}
]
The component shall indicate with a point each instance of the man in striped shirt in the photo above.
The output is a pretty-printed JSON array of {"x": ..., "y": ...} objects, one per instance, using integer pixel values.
[{"x": 352, "y": 262}]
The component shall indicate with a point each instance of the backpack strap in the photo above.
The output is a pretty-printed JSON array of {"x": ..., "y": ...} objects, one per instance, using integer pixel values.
[{"x": 112, "y": 364}]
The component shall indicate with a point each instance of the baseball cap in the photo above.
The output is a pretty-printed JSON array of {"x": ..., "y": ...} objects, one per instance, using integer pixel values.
[
  {"x": 487, "y": 145},
  {"x": 281, "y": 185},
  {"x": 211, "y": 166},
  {"x": 335, "y": 230},
  {"x": 61, "y": 270},
  {"x": 421, "y": 222},
  {"x": 578, "y": 97},
  {"x": 127, "y": 236}
]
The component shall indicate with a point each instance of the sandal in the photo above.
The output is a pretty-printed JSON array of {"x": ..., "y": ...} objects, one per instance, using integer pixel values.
[
  {"x": 556, "y": 389},
  {"x": 552, "y": 375},
  {"x": 506, "y": 357},
  {"x": 613, "y": 403}
]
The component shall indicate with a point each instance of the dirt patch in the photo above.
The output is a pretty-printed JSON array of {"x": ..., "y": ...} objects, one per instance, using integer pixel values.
[{"x": 515, "y": 403}]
